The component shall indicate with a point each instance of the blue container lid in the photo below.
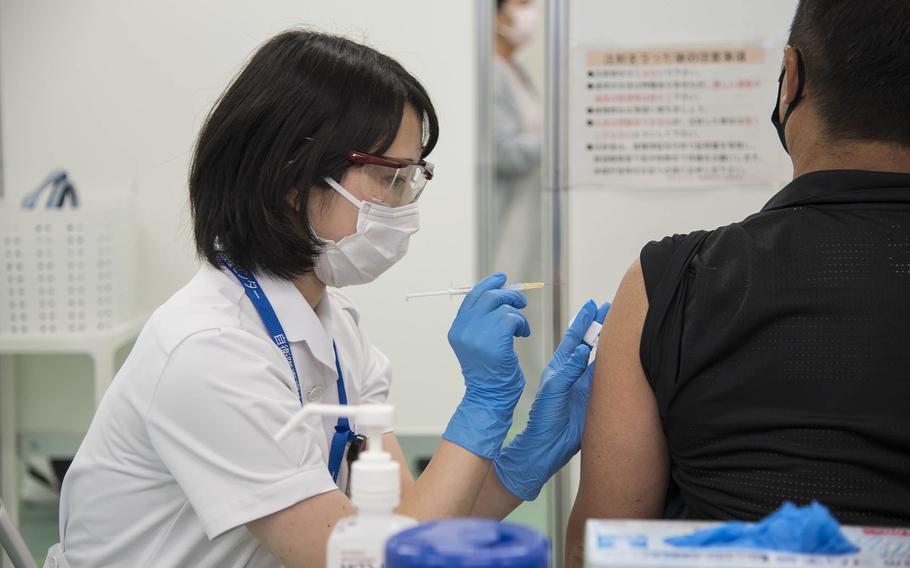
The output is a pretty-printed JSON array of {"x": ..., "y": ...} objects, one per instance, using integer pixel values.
[{"x": 468, "y": 542}]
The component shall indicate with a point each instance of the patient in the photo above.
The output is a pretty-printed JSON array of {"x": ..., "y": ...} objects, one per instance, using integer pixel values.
[{"x": 770, "y": 359}]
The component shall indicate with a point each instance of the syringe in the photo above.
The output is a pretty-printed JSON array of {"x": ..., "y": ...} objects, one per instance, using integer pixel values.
[{"x": 462, "y": 290}]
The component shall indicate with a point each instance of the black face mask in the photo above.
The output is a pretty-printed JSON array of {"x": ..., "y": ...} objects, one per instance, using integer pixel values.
[{"x": 775, "y": 116}]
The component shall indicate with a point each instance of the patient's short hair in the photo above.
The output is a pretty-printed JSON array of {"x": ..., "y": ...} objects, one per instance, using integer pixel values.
[{"x": 857, "y": 60}]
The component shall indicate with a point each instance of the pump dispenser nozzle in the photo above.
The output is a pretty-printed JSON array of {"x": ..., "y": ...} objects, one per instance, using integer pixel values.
[{"x": 375, "y": 476}]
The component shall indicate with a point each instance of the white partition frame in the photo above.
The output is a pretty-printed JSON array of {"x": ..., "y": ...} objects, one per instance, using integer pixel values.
[{"x": 555, "y": 171}]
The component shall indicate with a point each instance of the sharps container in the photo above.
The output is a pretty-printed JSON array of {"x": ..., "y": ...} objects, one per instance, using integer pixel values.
[{"x": 468, "y": 542}]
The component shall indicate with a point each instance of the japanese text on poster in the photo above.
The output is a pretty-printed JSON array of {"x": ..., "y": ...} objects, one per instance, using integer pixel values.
[{"x": 674, "y": 117}]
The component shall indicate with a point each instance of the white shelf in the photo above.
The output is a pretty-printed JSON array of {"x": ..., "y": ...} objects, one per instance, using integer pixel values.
[
  {"x": 101, "y": 346},
  {"x": 86, "y": 342}
]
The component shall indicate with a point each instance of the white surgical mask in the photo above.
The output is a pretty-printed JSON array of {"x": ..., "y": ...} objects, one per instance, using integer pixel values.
[
  {"x": 380, "y": 241},
  {"x": 524, "y": 23}
]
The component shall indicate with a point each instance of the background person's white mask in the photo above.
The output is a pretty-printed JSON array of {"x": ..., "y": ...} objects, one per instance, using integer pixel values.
[{"x": 380, "y": 241}]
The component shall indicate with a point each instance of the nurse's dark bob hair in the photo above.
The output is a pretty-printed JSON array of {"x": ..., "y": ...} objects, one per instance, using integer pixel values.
[{"x": 284, "y": 124}]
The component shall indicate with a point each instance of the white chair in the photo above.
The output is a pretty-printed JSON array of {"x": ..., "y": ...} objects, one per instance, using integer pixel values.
[{"x": 13, "y": 543}]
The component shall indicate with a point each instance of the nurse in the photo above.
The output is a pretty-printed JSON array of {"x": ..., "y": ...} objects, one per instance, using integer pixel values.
[{"x": 305, "y": 179}]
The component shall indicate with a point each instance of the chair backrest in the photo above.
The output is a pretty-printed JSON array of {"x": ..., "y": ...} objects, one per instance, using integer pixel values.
[{"x": 13, "y": 543}]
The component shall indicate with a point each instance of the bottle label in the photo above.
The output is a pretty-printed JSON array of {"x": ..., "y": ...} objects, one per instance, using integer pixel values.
[{"x": 355, "y": 560}]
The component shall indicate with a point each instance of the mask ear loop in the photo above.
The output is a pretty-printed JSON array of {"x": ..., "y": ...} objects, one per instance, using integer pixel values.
[
  {"x": 344, "y": 193},
  {"x": 801, "y": 78}
]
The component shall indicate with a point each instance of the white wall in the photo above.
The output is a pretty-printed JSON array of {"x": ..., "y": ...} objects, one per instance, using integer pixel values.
[
  {"x": 608, "y": 226},
  {"x": 115, "y": 91}
]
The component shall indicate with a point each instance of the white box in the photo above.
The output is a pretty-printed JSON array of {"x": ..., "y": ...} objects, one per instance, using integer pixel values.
[
  {"x": 636, "y": 544},
  {"x": 66, "y": 271}
]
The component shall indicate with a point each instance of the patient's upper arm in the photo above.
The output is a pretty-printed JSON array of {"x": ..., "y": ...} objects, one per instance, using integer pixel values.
[{"x": 624, "y": 461}]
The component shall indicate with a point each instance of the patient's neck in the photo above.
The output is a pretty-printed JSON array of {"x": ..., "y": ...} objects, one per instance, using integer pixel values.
[
  {"x": 814, "y": 149},
  {"x": 311, "y": 288},
  {"x": 852, "y": 155}
]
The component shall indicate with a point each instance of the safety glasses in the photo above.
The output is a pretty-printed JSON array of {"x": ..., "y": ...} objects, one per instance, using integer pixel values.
[{"x": 387, "y": 181}]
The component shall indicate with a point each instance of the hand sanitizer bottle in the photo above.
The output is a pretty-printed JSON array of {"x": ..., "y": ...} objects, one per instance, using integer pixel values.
[{"x": 359, "y": 541}]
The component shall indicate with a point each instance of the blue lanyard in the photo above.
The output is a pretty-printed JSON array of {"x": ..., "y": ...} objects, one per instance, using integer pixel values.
[
  {"x": 256, "y": 294},
  {"x": 343, "y": 433}
]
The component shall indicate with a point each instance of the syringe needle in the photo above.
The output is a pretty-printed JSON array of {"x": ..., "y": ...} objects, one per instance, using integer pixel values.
[
  {"x": 449, "y": 292},
  {"x": 519, "y": 286}
]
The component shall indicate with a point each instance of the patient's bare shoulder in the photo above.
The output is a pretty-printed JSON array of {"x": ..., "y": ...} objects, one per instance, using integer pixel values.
[{"x": 624, "y": 463}]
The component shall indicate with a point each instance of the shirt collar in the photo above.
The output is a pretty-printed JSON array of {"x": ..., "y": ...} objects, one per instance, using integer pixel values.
[
  {"x": 843, "y": 186},
  {"x": 299, "y": 320}
]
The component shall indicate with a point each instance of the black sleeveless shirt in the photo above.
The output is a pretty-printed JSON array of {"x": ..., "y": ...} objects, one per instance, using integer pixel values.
[{"x": 778, "y": 349}]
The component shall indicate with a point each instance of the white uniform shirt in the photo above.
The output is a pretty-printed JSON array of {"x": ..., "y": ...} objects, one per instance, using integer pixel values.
[{"x": 180, "y": 454}]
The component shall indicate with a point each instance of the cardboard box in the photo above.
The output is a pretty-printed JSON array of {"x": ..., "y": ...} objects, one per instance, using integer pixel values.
[{"x": 636, "y": 544}]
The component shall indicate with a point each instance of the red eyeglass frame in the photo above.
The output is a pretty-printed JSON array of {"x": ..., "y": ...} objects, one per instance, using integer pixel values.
[{"x": 364, "y": 159}]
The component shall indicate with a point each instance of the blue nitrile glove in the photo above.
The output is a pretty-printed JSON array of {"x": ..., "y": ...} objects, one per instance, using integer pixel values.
[
  {"x": 557, "y": 418},
  {"x": 807, "y": 530},
  {"x": 482, "y": 337}
]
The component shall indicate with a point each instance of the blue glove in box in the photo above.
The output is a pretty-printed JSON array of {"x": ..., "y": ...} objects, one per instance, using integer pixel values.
[{"x": 792, "y": 536}]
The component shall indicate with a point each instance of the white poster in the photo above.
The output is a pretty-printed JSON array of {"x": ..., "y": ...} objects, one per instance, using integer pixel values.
[{"x": 678, "y": 117}]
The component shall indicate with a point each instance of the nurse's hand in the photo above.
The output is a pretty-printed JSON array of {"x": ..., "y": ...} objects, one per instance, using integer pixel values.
[
  {"x": 556, "y": 421},
  {"x": 482, "y": 337}
]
